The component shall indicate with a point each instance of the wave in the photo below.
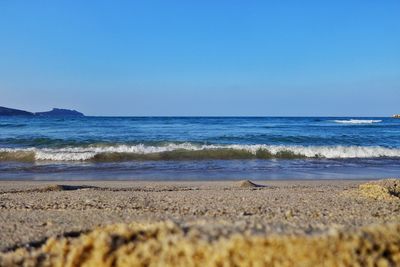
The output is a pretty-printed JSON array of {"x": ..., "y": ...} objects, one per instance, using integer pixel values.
[
  {"x": 353, "y": 121},
  {"x": 189, "y": 151},
  {"x": 49, "y": 142},
  {"x": 11, "y": 125}
]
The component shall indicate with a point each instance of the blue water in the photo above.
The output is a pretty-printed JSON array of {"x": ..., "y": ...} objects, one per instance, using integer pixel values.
[{"x": 206, "y": 148}]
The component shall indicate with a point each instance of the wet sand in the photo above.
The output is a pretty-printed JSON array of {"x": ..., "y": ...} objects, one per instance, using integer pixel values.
[{"x": 31, "y": 212}]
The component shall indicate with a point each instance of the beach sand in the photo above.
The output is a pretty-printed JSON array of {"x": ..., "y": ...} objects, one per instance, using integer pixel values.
[{"x": 278, "y": 223}]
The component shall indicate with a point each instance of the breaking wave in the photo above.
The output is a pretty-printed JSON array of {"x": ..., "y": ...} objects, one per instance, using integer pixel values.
[
  {"x": 352, "y": 121},
  {"x": 189, "y": 151}
]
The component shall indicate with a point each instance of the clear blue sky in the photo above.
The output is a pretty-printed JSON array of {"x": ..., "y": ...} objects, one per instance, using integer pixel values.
[{"x": 202, "y": 57}]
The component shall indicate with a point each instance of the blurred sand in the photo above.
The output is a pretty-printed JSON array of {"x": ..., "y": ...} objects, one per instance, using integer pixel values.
[{"x": 33, "y": 211}]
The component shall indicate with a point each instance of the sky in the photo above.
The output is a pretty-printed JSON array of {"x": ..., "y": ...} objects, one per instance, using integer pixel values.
[{"x": 202, "y": 58}]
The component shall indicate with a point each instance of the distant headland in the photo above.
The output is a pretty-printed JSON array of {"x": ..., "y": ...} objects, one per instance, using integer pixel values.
[
  {"x": 396, "y": 116},
  {"x": 54, "y": 112},
  {"x": 60, "y": 112}
]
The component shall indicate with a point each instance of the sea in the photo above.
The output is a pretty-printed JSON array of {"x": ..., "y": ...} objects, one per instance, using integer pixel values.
[{"x": 198, "y": 148}]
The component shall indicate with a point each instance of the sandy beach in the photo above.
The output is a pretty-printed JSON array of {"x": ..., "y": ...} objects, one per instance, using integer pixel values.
[
  {"x": 32, "y": 212},
  {"x": 199, "y": 134}
]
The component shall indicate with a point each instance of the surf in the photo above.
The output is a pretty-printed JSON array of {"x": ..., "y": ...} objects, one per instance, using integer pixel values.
[
  {"x": 189, "y": 151},
  {"x": 354, "y": 121}
]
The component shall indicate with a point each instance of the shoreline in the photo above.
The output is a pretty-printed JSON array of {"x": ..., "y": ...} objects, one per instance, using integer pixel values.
[{"x": 177, "y": 181}]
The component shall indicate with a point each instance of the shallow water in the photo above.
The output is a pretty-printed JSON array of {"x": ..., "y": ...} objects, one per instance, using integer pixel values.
[{"x": 199, "y": 148}]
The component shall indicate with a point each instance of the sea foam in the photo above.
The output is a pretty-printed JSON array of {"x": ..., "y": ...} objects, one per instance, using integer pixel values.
[
  {"x": 186, "y": 151},
  {"x": 353, "y": 121}
]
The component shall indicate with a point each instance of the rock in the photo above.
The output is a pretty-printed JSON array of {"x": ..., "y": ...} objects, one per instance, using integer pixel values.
[
  {"x": 248, "y": 184},
  {"x": 46, "y": 224},
  {"x": 396, "y": 116},
  {"x": 388, "y": 189},
  {"x": 60, "y": 187}
]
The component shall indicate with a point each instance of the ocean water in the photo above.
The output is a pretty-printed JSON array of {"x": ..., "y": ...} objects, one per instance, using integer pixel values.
[{"x": 205, "y": 148}]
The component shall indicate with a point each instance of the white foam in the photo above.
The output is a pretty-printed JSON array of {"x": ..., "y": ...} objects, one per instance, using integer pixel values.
[
  {"x": 87, "y": 153},
  {"x": 353, "y": 121}
]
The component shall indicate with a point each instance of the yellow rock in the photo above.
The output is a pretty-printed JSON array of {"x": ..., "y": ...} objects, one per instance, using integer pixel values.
[{"x": 388, "y": 189}]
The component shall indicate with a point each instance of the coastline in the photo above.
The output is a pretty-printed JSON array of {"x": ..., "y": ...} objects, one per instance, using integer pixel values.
[{"x": 33, "y": 211}]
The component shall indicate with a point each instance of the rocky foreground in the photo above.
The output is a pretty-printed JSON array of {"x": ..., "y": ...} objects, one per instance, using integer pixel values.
[{"x": 285, "y": 223}]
